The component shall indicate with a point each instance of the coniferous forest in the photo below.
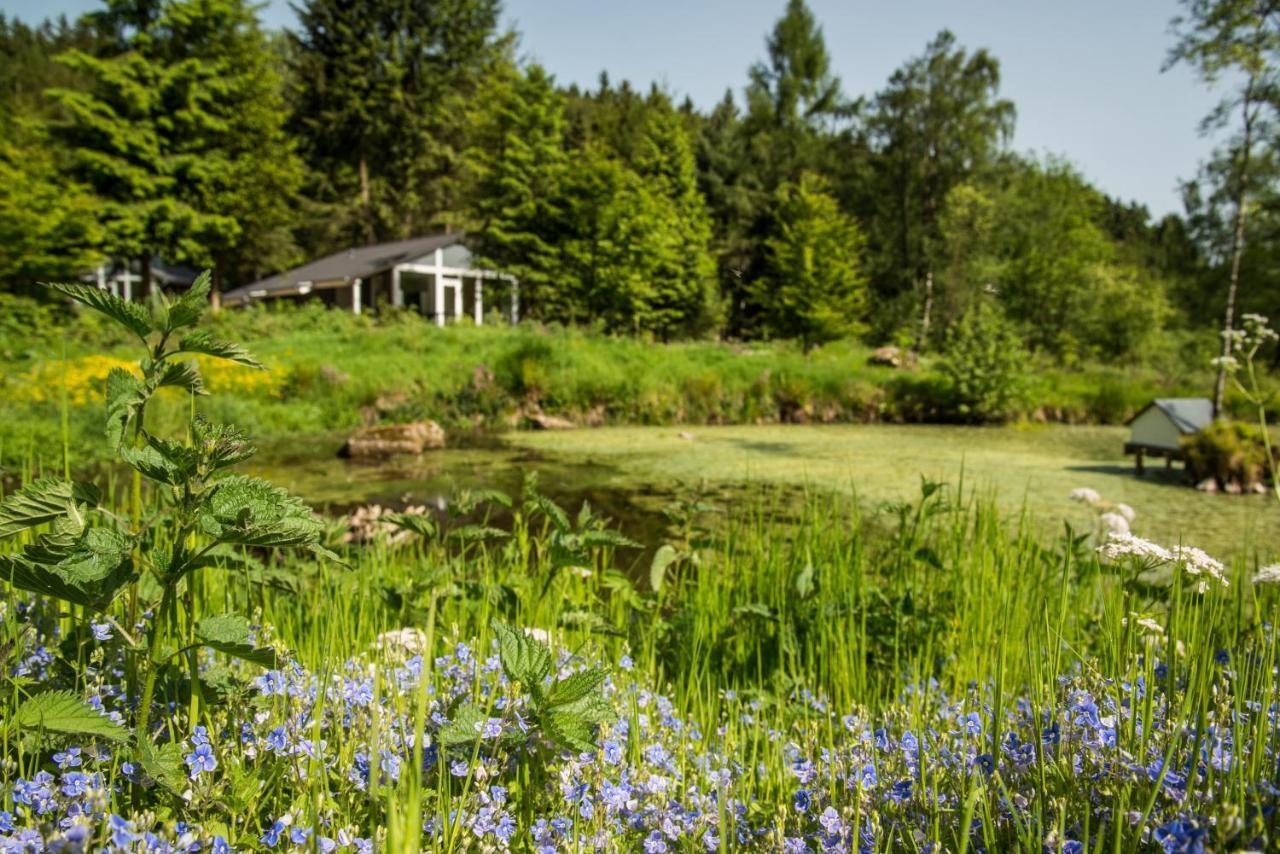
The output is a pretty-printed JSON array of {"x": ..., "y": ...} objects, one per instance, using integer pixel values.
[{"x": 184, "y": 130}]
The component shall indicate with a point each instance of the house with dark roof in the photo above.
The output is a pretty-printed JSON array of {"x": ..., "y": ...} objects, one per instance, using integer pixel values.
[
  {"x": 1158, "y": 428},
  {"x": 436, "y": 274},
  {"x": 125, "y": 279}
]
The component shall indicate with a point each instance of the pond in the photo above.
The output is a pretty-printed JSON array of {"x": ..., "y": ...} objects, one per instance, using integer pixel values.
[{"x": 630, "y": 474}]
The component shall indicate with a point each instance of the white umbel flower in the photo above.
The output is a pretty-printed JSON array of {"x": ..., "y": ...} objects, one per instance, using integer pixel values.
[
  {"x": 1268, "y": 574},
  {"x": 1085, "y": 495},
  {"x": 1113, "y": 523}
]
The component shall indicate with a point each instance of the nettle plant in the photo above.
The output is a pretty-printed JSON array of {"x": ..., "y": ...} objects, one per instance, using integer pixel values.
[{"x": 88, "y": 558}]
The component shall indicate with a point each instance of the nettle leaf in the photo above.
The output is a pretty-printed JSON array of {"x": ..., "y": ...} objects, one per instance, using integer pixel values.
[
  {"x": 573, "y": 688},
  {"x": 602, "y": 537},
  {"x": 162, "y": 763},
  {"x": 63, "y": 712},
  {"x": 184, "y": 375},
  {"x": 569, "y": 730},
  {"x": 415, "y": 523},
  {"x": 536, "y": 502},
  {"x": 464, "y": 727},
  {"x": 251, "y": 512},
  {"x": 187, "y": 309},
  {"x": 233, "y": 634},
  {"x": 220, "y": 444},
  {"x": 203, "y": 342},
  {"x": 152, "y": 464},
  {"x": 42, "y": 501},
  {"x": 477, "y": 534},
  {"x": 592, "y": 708},
  {"x": 131, "y": 315},
  {"x": 525, "y": 659},
  {"x": 88, "y": 568},
  {"x": 126, "y": 395}
]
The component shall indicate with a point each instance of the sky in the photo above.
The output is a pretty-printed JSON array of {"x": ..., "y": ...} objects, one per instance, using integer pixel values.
[{"x": 1085, "y": 75}]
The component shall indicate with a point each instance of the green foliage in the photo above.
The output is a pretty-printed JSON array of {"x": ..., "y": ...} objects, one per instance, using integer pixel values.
[
  {"x": 233, "y": 635},
  {"x": 1231, "y": 453},
  {"x": 815, "y": 288},
  {"x": 985, "y": 364},
  {"x": 87, "y": 557},
  {"x": 43, "y": 501},
  {"x": 64, "y": 713}
]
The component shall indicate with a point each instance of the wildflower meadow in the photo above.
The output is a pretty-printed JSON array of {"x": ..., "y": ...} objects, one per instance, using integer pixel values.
[{"x": 193, "y": 660}]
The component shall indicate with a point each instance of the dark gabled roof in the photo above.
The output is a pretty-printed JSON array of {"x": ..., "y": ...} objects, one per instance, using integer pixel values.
[
  {"x": 345, "y": 266},
  {"x": 1188, "y": 414}
]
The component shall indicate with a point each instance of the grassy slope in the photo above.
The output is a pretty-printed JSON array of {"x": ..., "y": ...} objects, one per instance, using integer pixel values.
[
  {"x": 1040, "y": 464},
  {"x": 326, "y": 367}
]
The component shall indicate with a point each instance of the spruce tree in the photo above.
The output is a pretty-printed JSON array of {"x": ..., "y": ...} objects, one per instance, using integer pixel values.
[{"x": 815, "y": 288}]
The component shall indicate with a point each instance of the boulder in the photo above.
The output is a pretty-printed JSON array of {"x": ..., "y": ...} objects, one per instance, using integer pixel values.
[
  {"x": 891, "y": 356},
  {"x": 543, "y": 421},
  {"x": 391, "y": 439},
  {"x": 1207, "y": 485}
]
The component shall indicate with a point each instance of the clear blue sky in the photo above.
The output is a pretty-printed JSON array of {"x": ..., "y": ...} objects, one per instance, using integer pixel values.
[{"x": 1085, "y": 75}]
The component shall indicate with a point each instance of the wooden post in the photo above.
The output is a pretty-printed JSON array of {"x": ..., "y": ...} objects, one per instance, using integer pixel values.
[
  {"x": 478, "y": 308},
  {"x": 355, "y": 297},
  {"x": 1137, "y": 463}
]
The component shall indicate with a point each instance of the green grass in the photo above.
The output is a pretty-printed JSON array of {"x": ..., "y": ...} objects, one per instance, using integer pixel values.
[
  {"x": 1035, "y": 466},
  {"x": 330, "y": 371}
]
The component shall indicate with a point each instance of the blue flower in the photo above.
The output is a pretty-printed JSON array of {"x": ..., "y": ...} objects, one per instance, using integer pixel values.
[
  {"x": 101, "y": 631},
  {"x": 69, "y": 758},
  {"x": 272, "y": 837},
  {"x": 802, "y": 800},
  {"x": 654, "y": 843},
  {"x": 201, "y": 760}
]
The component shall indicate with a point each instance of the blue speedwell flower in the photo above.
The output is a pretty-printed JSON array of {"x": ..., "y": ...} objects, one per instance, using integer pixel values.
[{"x": 201, "y": 760}]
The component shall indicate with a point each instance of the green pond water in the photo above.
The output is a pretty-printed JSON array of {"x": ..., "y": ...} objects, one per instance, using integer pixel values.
[{"x": 630, "y": 474}]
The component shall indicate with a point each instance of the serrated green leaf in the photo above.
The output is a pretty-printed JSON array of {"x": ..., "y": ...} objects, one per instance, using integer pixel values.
[
  {"x": 605, "y": 537},
  {"x": 152, "y": 464},
  {"x": 63, "y": 712},
  {"x": 524, "y": 659},
  {"x": 464, "y": 726},
  {"x": 569, "y": 731},
  {"x": 476, "y": 534},
  {"x": 415, "y": 523},
  {"x": 184, "y": 375},
  {"x": 574, "y": 687},
  {"x": 126, "y": 394},
  {"x": 203, "y": 342},
  {"x": 662, "y": 560},
  {"x": 42, "y": 501},
  {"x": 88, "y": 568},
  {"x": 162, "y": 763},
  {"x": 130, "y": 315},
  {"x": 251, "y": 512},
  {"x": 592, "y": 708},
  {"x": 536, "y": 502},
  {"x": 187, "y": 309},
  {"x": 232, "y": 634}
]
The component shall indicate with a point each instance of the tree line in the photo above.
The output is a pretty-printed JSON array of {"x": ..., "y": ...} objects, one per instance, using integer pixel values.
[{"x": 183, "y": 129}]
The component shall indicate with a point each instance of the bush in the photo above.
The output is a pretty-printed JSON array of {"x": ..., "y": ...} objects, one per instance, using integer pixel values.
[
  {"x": 1231, "y": 452},
  {"x": 985, "y": 364}
]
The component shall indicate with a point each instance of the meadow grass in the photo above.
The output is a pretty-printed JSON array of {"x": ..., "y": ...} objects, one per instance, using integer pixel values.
[
  {"x": 935, "y": 674},
  {"x": 331, "y": 370},
  {"x": 1031, "y": 465}
]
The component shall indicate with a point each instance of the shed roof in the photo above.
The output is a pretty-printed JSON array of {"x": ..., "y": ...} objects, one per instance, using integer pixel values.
[
  {"x": 1189, "y": 414},
  {"x": 356, "y": 263}
]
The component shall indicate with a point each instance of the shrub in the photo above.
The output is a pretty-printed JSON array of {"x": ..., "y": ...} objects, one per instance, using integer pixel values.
[
  {"x": 985, "y": 364},
  {"x": 1231, "y": 452}
]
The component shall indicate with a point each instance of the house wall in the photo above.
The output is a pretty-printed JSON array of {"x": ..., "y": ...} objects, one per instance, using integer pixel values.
[{"x": 1155, "y": 429}]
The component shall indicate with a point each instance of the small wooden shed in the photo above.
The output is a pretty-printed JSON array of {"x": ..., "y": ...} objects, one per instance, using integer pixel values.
[{"x": 1157, "y": 429}]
